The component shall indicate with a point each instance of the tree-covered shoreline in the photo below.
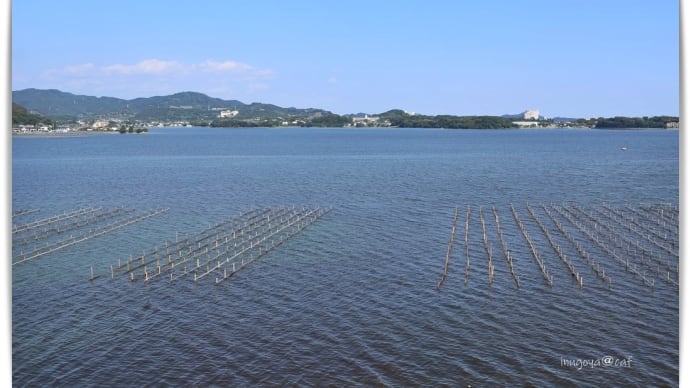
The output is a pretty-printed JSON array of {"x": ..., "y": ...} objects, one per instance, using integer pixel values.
[
  {"x": 635, "y": 122},
  {"x": 53, "y": 108}
]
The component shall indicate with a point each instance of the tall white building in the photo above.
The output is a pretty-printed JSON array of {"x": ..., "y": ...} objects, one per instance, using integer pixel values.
[
  {"x": 532, "y": 114},
  {"x": 228, "y": 113}
]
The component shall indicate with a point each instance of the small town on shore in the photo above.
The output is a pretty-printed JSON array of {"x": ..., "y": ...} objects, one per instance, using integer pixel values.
[
  {"x": 37, "y": 111},
  {"x": 529, "y": 119}
]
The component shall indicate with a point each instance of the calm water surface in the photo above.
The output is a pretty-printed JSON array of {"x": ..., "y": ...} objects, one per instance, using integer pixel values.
[{"x": 352, "y": 300}]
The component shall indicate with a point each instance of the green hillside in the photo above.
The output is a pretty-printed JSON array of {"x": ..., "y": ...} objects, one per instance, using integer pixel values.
[
  {"x": 21, "y": 116},
  {"x": 179, "y": 106},
  {"x": 55, "y": 103}
]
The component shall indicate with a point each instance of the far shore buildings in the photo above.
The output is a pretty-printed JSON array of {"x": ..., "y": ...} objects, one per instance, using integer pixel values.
[
  {"x": 228, "y": 113},
  {"x": 532, "y": 114},
  {"x": 100, "y": 124},
  {"x": 529, "y": 119},
  {"x": 526, "y": 124},
  {"x": 364, "y": 121},
  {"x": 672, "y": 124}
]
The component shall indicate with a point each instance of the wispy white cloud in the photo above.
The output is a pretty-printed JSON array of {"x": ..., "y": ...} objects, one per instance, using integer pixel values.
[
  {"x": 147, "y": 66},
  {"x": 227, "y": 66},
  {"x": 161, "y": 67},
  {"x": 85, "y": 69},
  {"x": 80, "y": 69}
]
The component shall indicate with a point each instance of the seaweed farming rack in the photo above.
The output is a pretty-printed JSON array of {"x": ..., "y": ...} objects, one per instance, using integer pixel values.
[
  {"x": 44, "y": 236},
  {"x": 217, "y": 252},
  {"x": 640, "y": 241}
]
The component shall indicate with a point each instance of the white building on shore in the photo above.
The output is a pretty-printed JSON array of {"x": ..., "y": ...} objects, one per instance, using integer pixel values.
[
  {"x": 228, "y": 113},
  {"x": 532, "y": 114}
]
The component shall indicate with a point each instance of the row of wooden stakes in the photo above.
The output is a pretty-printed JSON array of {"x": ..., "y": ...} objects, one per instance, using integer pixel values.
[
  {"x": 53, "y": 246},
  {"x": 221, "y": 250},
  {"x": 648, "y": 234}
]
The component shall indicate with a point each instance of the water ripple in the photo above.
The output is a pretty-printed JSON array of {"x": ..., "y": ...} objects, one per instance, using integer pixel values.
[{"x": 352, "y": 300}]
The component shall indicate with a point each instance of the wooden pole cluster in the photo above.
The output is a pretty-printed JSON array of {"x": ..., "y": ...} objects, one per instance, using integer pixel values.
[
  {"x": 559, "y": 252},
  {"x": 635, "y": 227},
  {"x": 540, "y": 262},
  {"x": 644, "y": 240},
  {"x": 34, "y": 234},
  {"x": 487, "y": 247},
  {"x": 668, "y": 215},
  {"x": 665, "y": 216},
  {"x": 291, "y": 228},
  {"x": 72, "y": 240},
  {"x": 450, "y": 249},
  {"x": 467, "y": 245},
  {"x": 600, "y": 271},
  {"x": 569, "y": 213},
  {"x": 640, "y": 222},
  {"x": 220, "y": 250},
  {"x": 506, "y": 251},
  {"x": 24, "y": 212},
  {"x": 647, "y": 256},
  {"x": 220, "y": 241},
  {"x": 608, "y": 230},
  {"x": 53, "y": 219}
]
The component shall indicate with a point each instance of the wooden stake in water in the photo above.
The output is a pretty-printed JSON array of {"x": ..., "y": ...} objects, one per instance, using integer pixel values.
[
  {"x": 467, "y": 245},
  {"x": 450, "y": 249}
]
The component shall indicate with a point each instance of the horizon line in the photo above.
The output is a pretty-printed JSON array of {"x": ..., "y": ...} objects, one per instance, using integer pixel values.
[{"x": 345, "y": 114}]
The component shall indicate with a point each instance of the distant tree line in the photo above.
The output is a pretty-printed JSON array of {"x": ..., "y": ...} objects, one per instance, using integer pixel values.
[
  {"x": 132, "y": 129},
  {"x": 634, "y": 122},
  {"x": 239, "y": 123},
  {"x": 397, "y": 118},
  {"x": 451, "y": 122},
  {"x": 328, "y": 120},
  {"x": 230, "y": 123}
]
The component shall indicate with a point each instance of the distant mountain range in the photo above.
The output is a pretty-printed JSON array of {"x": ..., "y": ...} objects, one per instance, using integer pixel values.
[
  {"x": 200, "y": 109},
  {"x": 56, "y": 104}
]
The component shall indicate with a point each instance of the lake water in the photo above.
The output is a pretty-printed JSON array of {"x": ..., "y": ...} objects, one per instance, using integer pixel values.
[{"x": 353, "y": 299}]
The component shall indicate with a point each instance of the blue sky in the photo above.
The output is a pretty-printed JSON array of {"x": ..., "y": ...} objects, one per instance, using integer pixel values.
[{"x": 584, "y": 58}]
